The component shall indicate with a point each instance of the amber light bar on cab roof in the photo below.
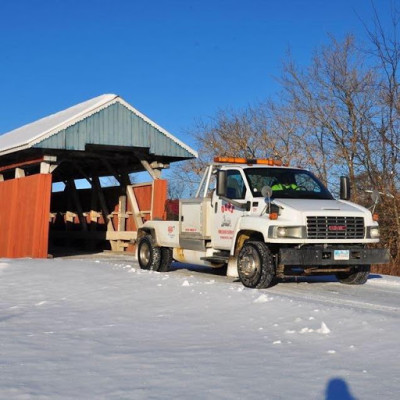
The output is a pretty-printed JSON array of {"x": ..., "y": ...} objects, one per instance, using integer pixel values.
[{"x": 250, "y": 161}]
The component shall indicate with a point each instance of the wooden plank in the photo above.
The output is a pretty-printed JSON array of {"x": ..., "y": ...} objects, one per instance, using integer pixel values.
[
  {"x": 143, "y": 196},
  {"x": 121, "y": 213},
  {"x": 159, "y": 199},
  {"x": 128, "y": 235},
  {"x": 21, "y": 164}
]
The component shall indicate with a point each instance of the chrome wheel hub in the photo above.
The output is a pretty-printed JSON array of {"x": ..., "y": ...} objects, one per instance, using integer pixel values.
[
  {"x": 250, "y": 263},
  {"x": 144, "y": 253}
]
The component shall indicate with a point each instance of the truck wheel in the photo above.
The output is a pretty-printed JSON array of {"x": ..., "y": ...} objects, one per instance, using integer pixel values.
[
  {"x": 149, "y": 255},
  {"x": 255, "y": 265},
  {"x": 166, "y": 259},
  {"x": 357, "y": 277}
]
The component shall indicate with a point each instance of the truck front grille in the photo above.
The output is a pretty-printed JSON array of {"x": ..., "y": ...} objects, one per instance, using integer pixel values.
[{"x": 335, "y": 227}]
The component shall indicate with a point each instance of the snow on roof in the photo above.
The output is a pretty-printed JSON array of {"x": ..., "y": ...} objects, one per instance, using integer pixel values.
[{"x": 28, "y": 135}]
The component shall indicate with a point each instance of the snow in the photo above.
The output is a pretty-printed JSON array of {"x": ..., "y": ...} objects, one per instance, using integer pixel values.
[
  {"x": 102, "y": 328},
  {"x": 52, "y": 123}
]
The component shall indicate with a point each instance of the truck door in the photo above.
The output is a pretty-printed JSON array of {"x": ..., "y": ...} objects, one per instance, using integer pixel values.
[{"x": 226, "y": 214}]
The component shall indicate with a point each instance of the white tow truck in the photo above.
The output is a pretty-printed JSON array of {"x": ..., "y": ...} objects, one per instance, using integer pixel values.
[{"x": 265, "y": 221}]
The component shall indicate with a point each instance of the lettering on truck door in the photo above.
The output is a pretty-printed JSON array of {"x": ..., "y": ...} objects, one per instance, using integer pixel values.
[{"x": 226, "y": 214}]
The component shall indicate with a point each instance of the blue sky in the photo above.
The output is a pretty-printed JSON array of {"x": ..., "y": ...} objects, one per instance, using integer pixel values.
[{"x": 174, "y": 60}]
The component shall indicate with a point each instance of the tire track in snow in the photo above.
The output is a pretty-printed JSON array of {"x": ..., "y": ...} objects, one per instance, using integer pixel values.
[
  {"x": 316, "y": 292},
  {"x": 321, "y": 292},
  {"x": 309, "y": 294}
]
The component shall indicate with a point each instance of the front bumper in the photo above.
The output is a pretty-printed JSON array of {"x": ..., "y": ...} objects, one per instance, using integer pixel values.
[{"x": 326, "y": 256}]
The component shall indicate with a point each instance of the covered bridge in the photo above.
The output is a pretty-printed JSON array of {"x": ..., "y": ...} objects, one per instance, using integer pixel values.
[{"x": 104, "y": 136}]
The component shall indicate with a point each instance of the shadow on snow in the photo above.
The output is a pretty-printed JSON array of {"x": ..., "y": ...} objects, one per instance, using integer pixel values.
[{"x": 338, "y": 389}]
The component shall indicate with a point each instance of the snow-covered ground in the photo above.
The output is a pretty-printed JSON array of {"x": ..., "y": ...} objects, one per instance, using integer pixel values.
[{"x": 104, "y": 329}]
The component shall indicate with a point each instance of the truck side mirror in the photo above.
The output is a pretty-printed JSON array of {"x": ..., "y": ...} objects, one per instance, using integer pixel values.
[
  {"x": 344, "y": 188},
  {"x": 221, "y": 183}
]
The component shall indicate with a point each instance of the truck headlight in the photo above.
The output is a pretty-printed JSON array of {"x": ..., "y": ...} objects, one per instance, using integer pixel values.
[
  {"x": 373, "y": 232},
  {"x": 291, "y": 232}
]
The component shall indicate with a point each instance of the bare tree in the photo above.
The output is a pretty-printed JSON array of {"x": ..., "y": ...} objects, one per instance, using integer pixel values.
[
  {"x": 264, "y": 130},
  {"x": 382, "y": 163},
  {"x": 333, "y": 100}
]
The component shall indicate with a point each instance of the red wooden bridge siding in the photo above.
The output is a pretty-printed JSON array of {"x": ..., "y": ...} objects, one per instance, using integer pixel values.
[
  {"x": 160, "y": 197},
  {"x": 24, "y": 216},
  {"x": 150, "y": 197}
]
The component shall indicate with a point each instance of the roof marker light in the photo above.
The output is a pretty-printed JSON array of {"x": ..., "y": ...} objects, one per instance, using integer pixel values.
[{"x": 249, "y": 161}]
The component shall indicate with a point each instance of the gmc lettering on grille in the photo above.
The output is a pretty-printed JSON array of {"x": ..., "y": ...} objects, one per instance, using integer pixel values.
[{"x": 337, "y": 228}]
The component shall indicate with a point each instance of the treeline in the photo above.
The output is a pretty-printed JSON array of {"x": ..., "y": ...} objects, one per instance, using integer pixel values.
[{"x": 340, "y": 115}]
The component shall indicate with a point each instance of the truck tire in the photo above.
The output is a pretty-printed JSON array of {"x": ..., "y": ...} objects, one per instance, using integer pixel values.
[
  {"x": 357, "y": 277},
  {"x": 149, "y": 255},
  {"x": 166, "y": 259},
  {"x": 255, "y": 265}
]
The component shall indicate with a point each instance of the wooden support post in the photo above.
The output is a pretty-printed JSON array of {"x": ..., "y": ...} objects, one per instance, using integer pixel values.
[
  {"x": 82, "y": 172},
  {"x": 121, "y": 220},
  {"x": 19, "y": 173},
  {"x": 122, "y": 214},
  {"x": 93, "y": 218},
  {"x": 124, "y": 182},
  {"x": 93, "y": 207},
  {"x": 44, "y": 168},
  {"x": 154, "y": 172},
  {"x": 123, "y": 179},
  {"x": 78, "y": 205},
  {"x": 67, "y": 191},
  {"x": 112, "y": 171},
  {"x": 47, "y": 166},
  {"x": 104, "y": 208},
  {"x": 52, "y": 217},
  {"x": 103, "y": 204}
]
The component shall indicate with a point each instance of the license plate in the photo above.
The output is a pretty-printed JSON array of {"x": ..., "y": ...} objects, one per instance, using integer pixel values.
[{"x": 341, "y": 255}]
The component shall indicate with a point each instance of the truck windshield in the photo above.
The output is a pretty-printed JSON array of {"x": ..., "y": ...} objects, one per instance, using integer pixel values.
[{"x": 286, "y": 183}]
